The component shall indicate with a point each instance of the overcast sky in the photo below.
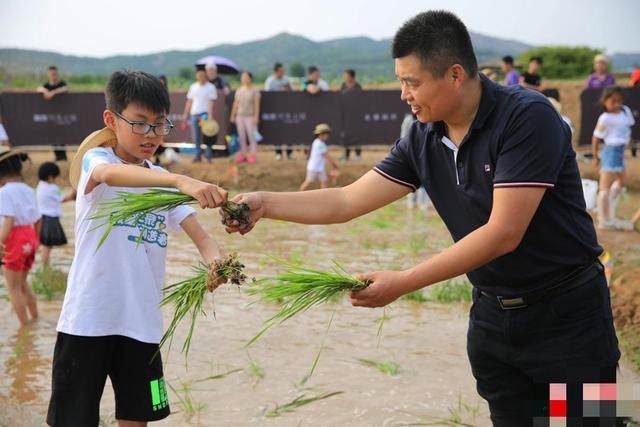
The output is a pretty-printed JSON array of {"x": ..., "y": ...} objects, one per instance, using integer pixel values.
[{"x": 104, "y": 28}]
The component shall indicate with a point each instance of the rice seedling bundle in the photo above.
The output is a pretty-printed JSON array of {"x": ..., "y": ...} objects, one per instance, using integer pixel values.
[
  {"x": 128, "y": 207},
  {"x": 299, "y": 288},
  {"x": 187, "y": 296}
]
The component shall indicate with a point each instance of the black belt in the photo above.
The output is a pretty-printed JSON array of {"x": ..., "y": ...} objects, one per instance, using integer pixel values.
[{"x": 573, "y": 280}]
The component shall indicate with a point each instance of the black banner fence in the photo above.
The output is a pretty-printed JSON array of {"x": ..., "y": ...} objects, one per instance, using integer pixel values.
[{"x": 360, "y": 118}]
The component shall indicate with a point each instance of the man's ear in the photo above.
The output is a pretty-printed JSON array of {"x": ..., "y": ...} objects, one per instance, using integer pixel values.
[
  {"x": 457, "y": 74},
  {"x": 109, "y": 119}
]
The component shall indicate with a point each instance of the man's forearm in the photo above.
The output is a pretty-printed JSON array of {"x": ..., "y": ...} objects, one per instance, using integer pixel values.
[
  {"x": 328, "y": 206},
  {"x": 475, "y": 250}
]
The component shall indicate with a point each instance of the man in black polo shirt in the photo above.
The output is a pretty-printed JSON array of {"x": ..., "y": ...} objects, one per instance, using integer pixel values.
[{"x": 498, "y": 165}]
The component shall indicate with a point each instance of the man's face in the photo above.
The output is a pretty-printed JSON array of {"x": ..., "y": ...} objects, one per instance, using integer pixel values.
[
  {"x": 534, "y": 67},
  {"x": 133, "y": 147},
  {"x": 212, "y": 73},
  {"x": 347, "y": 78},
  {"x": 315, "y": 75},
  {"x": 506, "y": 67},
  {"x": 201, "y": 76},
  {"x": 430, "y": 98},
  {"x": 53, "y": 75},
  {"x": 279, "y": 72}
]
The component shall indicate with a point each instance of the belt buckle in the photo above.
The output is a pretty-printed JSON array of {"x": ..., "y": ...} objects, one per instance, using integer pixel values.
[{"x": 511, "y": 303}]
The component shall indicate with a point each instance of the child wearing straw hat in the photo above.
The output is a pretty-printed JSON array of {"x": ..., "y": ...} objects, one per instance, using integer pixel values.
[
  {"x": 318, "y": 157},
  {"x": 19, "y": 219},
  {"x": 111, "y": 323}
]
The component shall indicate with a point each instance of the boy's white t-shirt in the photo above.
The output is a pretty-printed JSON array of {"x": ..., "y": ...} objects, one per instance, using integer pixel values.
[
  {"x": 18, "y": 200},
  {"x": 615, "y": 128},
  {"x": 116, "y": 290},
  {"x": 200, "y": 95},
  {"x": 50, "y": 199},
  {"x": 317, "y": 158}
]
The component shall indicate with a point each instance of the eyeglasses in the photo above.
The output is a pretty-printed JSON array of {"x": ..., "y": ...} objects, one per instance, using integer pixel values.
[{"x": 143, "y": 128}]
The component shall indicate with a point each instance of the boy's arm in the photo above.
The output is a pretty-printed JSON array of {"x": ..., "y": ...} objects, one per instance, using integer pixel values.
[
  {"x": 207, "y": 247},
  {"x": 331, "y": 160},
  {"x": 6, "y": 227},
  {"x": 116, "y": 175}
]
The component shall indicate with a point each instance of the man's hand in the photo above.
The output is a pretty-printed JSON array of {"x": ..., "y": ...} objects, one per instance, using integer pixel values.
[
  {"x": 256, "y": 211},
  {"x": 386, "y": 287},
  {"x": 208, "y": 195}
]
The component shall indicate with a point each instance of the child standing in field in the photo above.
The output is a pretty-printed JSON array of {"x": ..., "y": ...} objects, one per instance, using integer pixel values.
[
  {"x": 111, "y": 323},
  {"x": 614, "y": 128},
  {"x": 50, "y": 199},
  {"x": 18, "y": 238},
  {"x": 318, "y": 157}
]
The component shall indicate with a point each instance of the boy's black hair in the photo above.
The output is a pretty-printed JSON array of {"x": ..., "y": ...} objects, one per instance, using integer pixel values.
[
  {"x": 277, "y": 66},
  {"x": 312, "y": 69},
  {"x": 137, "y": 87},
  {"x": 537, "y": 59},
  {"x": 508, "y": 59},
  {"x": 48, "y": 170},
  {"x": 52, "y": 68},
  {"x": 608, "y": 92},
  {"x": 351, "y": 72},
  {"x": 12, "y": 166},
  {"x": 440, "y": 39}
]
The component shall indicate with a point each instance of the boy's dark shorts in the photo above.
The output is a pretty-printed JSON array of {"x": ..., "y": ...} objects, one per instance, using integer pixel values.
[{"x": 80, "y": 369}]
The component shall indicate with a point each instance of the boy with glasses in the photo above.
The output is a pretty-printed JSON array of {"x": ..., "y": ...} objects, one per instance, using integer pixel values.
[{"x": 111, "y": 323}]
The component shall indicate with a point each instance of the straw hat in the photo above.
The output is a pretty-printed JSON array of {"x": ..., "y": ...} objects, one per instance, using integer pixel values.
[
  {"x": 322, "y": 128},
  {"x": 209, "y": 127},
  {"x": 6, "y": 152},
  {"x": 100, "y": 138}
]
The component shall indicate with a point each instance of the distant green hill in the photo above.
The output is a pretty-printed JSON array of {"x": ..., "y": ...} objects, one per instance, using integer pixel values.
[{"x": 369, "y": 57}]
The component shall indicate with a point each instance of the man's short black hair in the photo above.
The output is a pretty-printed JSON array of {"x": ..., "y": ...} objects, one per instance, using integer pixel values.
[
  {"x": 439, "y": 39},
  {"x": 312, "y": 69},
  {"x": 137, "y": 87},
  {"x": 277, "y": 66},
  {"x": 536, "y": 59},
  {"x": 351, "y": 72},
  {"x": 53, "y": 68},
  {"x": 508, "y": 59},
  {"x": 48, "y": 170}
]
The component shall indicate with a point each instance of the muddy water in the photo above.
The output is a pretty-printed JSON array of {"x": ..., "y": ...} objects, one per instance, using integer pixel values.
[{"x": 426, "y": 340}]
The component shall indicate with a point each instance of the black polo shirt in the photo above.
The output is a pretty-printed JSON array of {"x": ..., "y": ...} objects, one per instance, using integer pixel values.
[{"x": 517, "y": 139}]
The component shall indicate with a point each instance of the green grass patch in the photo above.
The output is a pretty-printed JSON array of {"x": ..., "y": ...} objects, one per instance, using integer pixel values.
[
  {"x": 453, "y": 290},
  {"x": 386, "y": 367},
  {"x": 296, "y": 403},
  {"x": 49, "y": 282},
  {"x": 417, "y": 296}
]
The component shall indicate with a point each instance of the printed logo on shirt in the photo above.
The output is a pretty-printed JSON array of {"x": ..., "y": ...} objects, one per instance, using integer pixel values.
[
  {"x": 151, "y": 229},
  {"x": 90, "y": 155},
  {"x": 487, "y": 168}
]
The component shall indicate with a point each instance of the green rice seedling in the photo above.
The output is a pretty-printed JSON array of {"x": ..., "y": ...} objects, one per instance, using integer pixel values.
[
  {"x": 296, "y": 403},
  {"x": 454, "y": 290},
  {"x": 216, "y": 376},
  {"x": 255, "y": 370},
  {"x": 299, "y": 288},
  {"x": 48, "y": 282},
  {"x": 188, "y": 405},
  {"x": 387, "y": 368},
  {"x": 130, "y": 208},
  {"x": 417, "y": 296},
  {"x": 188, "y": 296}
]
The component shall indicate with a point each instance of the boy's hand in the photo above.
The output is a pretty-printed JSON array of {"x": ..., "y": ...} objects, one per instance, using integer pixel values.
[
  {"x": 208, "y": 195},
  {"x": 213, "y": 284},
  {"x": 256, "y": 211}
]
